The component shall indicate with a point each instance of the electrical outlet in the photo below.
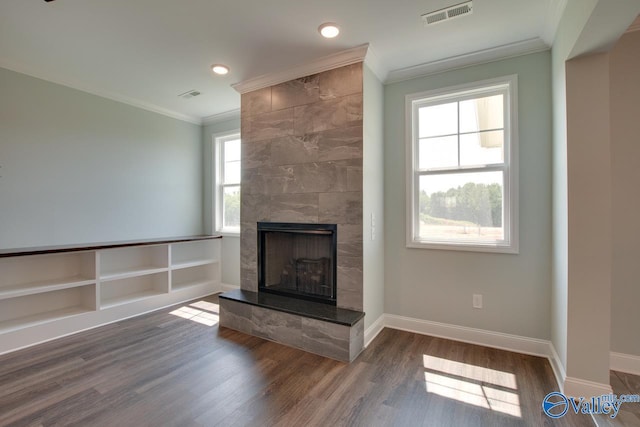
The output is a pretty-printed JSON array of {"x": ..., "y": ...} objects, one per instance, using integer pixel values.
[{"x": 477, "y": 301}]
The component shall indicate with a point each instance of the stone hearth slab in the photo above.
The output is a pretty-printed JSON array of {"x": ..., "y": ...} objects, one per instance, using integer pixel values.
[{"x": 314, "y": 327}]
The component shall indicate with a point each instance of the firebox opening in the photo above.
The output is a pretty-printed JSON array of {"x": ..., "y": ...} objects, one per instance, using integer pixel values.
[{"x": 298, "y": 260}]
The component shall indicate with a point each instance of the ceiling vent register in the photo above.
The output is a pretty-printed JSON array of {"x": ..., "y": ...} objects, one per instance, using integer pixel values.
[
  {"x": 448, "y": 13},
  {"x": 189, "y": 94}
]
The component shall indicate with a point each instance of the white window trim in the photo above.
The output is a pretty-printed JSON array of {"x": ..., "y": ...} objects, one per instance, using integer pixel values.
[
  {"x": 217, "y": 140},
  {"x": 510, "y": 200}
]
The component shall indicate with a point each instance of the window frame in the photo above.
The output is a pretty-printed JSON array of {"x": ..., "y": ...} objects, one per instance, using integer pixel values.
[
  {"x": 509, "y": 167},
  {"x": 219, "y": 141}
]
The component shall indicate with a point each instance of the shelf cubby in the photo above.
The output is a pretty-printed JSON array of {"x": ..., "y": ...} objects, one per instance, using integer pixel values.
[
  {"x": 44, "y": 273},
  {"x": 130, "y": 289},
  {"x": 122, "y": 263},
  {"x": 192, "y": 254},
  {"x": 29, "y": 310},
  {"x": 205, "y": 274}
]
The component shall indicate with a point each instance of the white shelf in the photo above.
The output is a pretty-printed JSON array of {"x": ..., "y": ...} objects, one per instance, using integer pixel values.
[
  {"x": 194, "y": 263},
  {"x": 44, "y": 286},
  {"x": 33, "y": 309},
  {"x": 37, "y": 319},
  {"x": 134, "y": 261},
  {"x": 126, "y": 299},
  {"x": 187, "y": 252},
  {"x": 131, "y": 272},
  {"x": 191, "y": 284}
]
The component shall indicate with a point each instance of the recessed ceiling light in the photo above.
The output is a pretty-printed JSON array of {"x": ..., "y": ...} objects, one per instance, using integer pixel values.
[
  {"x": 220, "y": 69},
  {"x": 329, "y": 30}
]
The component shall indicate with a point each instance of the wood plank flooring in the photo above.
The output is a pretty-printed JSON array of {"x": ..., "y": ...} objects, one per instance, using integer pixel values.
[
  {"x": 629, "y": 415},
  {"x": 171, "y": 368}
]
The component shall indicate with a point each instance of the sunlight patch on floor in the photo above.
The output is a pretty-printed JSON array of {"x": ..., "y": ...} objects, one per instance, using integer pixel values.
[
  {"x": 203, "y": 312},
  {"x": 466, "y": 383},
  {"x": 472, "y": 372}
]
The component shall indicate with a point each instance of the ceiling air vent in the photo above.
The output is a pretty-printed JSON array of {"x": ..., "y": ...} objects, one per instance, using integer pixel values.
[
  {"x": 189, "y": 94},
  {"x": 448, "y": 13}
]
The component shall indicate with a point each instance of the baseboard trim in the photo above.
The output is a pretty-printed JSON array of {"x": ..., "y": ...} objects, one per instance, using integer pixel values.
[
  {"x": 372, "y": 331},
  {"x": 627, "y": 363},
  {"x": 225, "y": 287},
  {"x": 557, "y": 367},
  {"x": 516, "y": 343},
  {"x": 502, "y": 341},
  {"x": 576, "y": 387}
]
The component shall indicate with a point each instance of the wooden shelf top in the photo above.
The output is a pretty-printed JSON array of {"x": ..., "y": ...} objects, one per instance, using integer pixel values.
[{"x": 40, "y": 250}]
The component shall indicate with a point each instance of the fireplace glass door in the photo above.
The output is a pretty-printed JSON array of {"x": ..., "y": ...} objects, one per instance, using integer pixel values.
[{"x": 298, "y": 260}]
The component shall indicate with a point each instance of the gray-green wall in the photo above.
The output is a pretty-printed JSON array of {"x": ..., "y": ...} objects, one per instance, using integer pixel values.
[
  {"x": 78, "y": 168},
  {"x": 230, "y": 243},
  {"x": 625, "y": 157},
  {"x": 437, "y": 285}
]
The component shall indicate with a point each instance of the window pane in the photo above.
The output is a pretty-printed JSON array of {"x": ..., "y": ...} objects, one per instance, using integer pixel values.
[
  {"x": 232, "y": 172},
  {"x": 461, "y": 207},
  {"x": 482, "y": 148},
  {"x": 232, "y": 150},
  {"x": 482, "y": 114},
  {"x": 438, "y": 152},
  {"x": 438, "y": 120},
  {"x": 231, "y": 207}
]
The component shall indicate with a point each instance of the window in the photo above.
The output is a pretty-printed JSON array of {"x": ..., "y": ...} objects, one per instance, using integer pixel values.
[
  {"x": 227, "y": 152},
  {"x": 462, "y": 167}
]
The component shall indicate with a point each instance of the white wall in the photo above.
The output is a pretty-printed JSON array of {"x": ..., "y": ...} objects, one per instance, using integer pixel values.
[
  {"x": 230, "y": 244},
  {"x": 77, "y": 168},
  {"x": 582, "y": 240},
  {"x": 373, "y": 197},
  {"x": 437, "y": 285},
  {"x": 625, "y": 174},
  {"x": 574, "y": 19}
]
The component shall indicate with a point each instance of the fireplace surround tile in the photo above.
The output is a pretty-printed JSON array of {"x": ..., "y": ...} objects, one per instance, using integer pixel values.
[
  {"x": 349, "y": 240},
  {"x": 294, "y": 208},
  {"x": 340, "y": 208},
  {"x": 257, "y": 155},
  {"x": 291, "y": 150},
  {"x": 305, "y": 90},
  {"x": 269, "y": 125},
  {"x": 340, "y": 144},
  {"x": 340, "y": 81},
  {"x": 256, "y": 102},
  {"x": 321, "y": 116},
  {"x": 302, "y": 154}
]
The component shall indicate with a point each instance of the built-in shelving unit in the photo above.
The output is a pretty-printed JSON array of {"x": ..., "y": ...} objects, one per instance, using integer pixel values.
[
  {"x": 192, "y": 266},
  {"x": 50, "y": 292}
]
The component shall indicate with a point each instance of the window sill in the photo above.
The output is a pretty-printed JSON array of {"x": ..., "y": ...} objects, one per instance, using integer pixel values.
[
  {"x": 228, "y": 233},
  {"x": 513, "y": 249}
]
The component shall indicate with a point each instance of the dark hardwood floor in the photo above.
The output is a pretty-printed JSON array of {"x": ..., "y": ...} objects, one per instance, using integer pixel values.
[
  {"x": 175, "y": 367},
  {"x": 629, "y": 415}
]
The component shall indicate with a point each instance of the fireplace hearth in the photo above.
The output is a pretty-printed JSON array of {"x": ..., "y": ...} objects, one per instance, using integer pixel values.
[{"x": 298, "y": 260}]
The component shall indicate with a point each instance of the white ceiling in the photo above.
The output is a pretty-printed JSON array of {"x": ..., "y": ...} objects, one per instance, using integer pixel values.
[{"x": 147, "y": 52}]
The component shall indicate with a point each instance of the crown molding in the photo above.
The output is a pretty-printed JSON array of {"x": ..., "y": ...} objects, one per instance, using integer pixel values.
[
  {"x": 555, "y": 9},
  {"x": 221, "y": 117},
  {"x": 340, "y": 59},
  {"x": 511, "y": 50},
  {"x": 375, "y": 65},
  {"x": 102, "y": 94},
  {"x": 635, "y": 26}
]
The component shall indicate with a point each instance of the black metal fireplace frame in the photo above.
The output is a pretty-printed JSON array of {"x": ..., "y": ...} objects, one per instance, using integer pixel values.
[{"x": 289, "y": 227}]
